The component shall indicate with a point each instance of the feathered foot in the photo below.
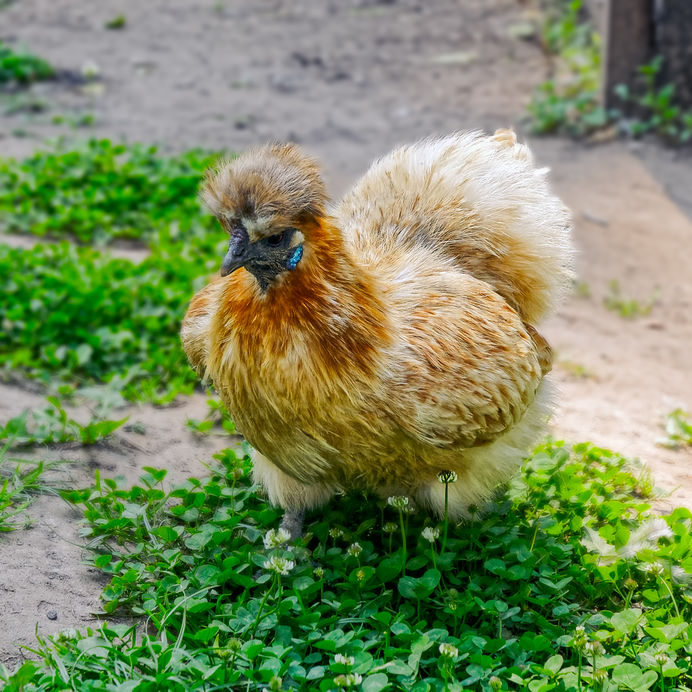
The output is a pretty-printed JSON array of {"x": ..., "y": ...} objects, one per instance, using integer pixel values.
[{"x": 293, "y": 523}]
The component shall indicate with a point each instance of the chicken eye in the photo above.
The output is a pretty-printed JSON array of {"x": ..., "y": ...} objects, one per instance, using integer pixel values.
[{"x": 274, "y": 240}]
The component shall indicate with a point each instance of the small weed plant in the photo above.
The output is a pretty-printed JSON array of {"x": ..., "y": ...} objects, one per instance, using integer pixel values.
[
  {"x": 567, "y": 582},
  {"x": 53, "y": 425},
  {"x": 18, "y": 68},
  {"x": 660, "y": 113},
  {"x": 678, "y": 430},
  {"x": 216, "y": 420},
  {"x": 20, "y": 481},
  {"x": 118, "y": 22},
  {"x": 627, "y": 308}
]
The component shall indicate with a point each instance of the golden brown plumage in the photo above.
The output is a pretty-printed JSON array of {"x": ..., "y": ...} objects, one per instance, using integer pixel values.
[{"x": 393, "y": 338}]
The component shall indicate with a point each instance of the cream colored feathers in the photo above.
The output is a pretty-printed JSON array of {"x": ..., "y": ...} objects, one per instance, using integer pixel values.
[{"x": 476, "y": 201}]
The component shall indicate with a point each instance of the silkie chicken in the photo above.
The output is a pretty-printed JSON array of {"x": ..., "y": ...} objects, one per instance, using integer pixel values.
[{"x": 382, "y": 342}]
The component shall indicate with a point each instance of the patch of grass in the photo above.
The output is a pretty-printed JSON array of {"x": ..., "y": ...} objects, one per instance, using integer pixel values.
[
  {"x": 574, "y": 369},
  {"x": 678, "y": 430},
  {"x": 72, "y": 314},
  {"x": 627, "y": 308},
  {"x": 19, "y": 482},
  {"x": 53, "y": 425},
  {"x": 25, "y": 103},
  {"x": 81, "y": 317},
  {"x": 103, "y": 191},
  {"x": 74, "y": 121},
  {"x": 657, "y": 102},
  {"x": 569, "y": 101},
  {"x": 118, "y": 22},
  {"x": 566, "y": 583},
  {"x": 22, "y": 68}
]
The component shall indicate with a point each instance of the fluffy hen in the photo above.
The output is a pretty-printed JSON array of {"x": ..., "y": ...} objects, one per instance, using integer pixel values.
[{"x": 393, "y": 337}]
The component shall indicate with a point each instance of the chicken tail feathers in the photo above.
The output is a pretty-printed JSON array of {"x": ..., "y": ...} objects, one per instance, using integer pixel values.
[{"x": 479, "y": 203}]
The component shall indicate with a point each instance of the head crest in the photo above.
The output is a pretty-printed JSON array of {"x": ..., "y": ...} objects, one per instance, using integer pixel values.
[{"x": 273, "y": 184}]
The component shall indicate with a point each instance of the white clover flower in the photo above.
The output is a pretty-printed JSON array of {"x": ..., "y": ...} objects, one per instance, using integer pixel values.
[
  {"x": 430, "y": 534},
  {"x": 360, "y": 575},
  {"x": 90, "y": 70},
  {"x": 344, "y": 660},
  {"x": 390, "y": 527},
  {"x": 237, "y": 473},
  {"x": 495, "y": 683},
  {"x": 67, "y": 634},
  {"x": 275, "y": 684},
  {"x": 355, "y": 549},
  {"x": 661, "y": 659},
  {"x": 348, "y": 680},
  {"x": 234, "y": 644},
  {"x": 274, "y": 538},
  {"x": 449, "y": 650},
  {"x": 318, "y": 572},
  {"x": 280, "y": 565},
  {"x": 579, "y": 638},
  {"x": 592, "y": 648},
  {"x": 398, "y": 501},
  {"x": 336, "y": 533},
  {"x": 447, "y": 477},
  {"x": 655, "y": 568},
  {"x": 600, "y": 676}
]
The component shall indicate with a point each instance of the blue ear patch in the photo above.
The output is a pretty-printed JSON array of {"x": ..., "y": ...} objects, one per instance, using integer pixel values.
[{"x": 295, "y": 258}]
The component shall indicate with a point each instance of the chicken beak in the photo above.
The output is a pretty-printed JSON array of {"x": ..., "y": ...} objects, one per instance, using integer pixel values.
[
  {"x": 237, "y": 253},
  {"x": 231, "y": 263}
]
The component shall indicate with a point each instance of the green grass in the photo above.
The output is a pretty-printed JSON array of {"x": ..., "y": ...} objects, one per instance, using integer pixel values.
[
  {"x": 53, "y": 425},
  {"x": 75, "y": 315},
  {"x": 568, "y": 101},
  {"x": 678, "y": 430},
  {"x": 103, "y": 191},
  {"x": 627, "y": 308},
  {"x": 216, "y": 421},
  {"x": 565, "y": 583},
  {"x": 20, "y": 481},
  {"x": 23, "y": 68}
]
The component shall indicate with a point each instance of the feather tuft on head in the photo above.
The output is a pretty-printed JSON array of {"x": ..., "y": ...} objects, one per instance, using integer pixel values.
[{"x": 265, "y": 188}]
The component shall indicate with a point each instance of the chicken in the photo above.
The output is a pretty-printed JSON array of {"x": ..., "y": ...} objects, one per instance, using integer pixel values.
[{"x": 393, "y": 337}]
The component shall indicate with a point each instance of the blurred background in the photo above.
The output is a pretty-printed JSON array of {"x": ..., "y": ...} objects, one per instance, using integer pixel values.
[{"x": 103, "y": 245}]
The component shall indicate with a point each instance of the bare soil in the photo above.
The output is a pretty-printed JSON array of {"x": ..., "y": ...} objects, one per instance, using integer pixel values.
[{"x": 349, "y": 79}]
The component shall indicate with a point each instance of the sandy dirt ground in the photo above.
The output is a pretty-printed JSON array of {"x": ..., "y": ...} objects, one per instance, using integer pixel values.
[{"x": 348, "y": 79}]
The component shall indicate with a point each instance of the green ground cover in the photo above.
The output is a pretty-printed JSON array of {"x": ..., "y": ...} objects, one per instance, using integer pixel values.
[{"x": 567, "y": 582}]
